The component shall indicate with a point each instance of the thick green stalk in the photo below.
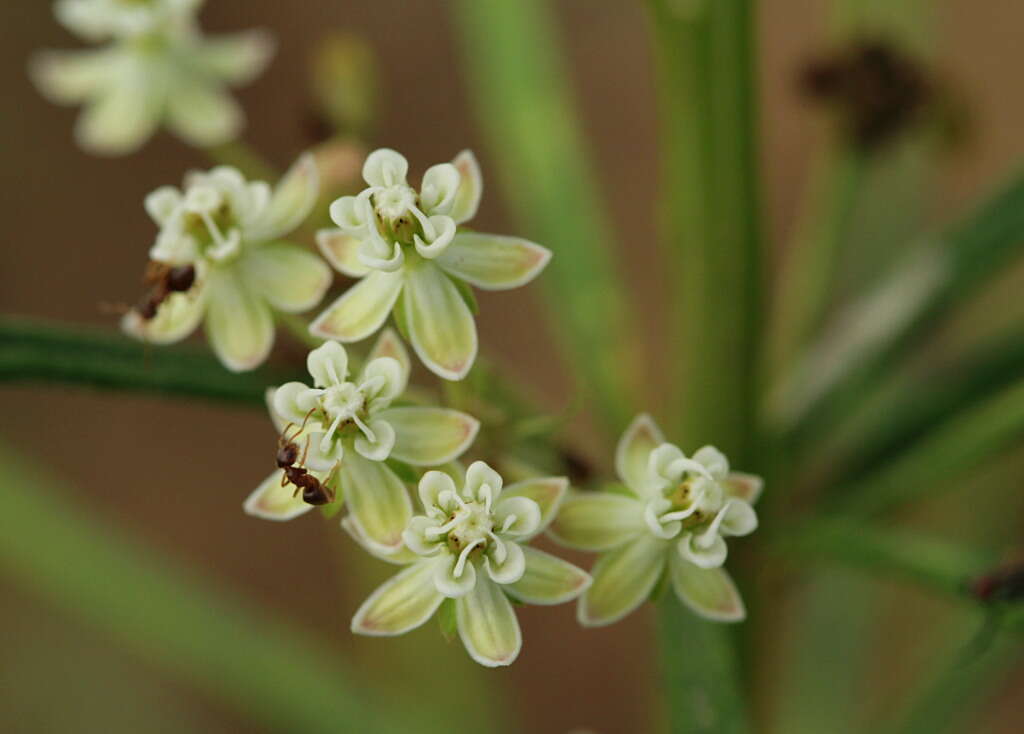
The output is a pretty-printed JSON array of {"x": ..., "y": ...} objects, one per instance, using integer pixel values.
[
  {"x": 265, "y": 668},
  {"x": 710, "y": 212},
  {"x": 36, "y": 352},
  {"x": 518, "y": 83}
]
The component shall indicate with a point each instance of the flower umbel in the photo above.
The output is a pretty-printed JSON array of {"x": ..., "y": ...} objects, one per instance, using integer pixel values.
[
  {"x": 404, "y": 246},
  {"x": 349, "y": 427},
  {"x": 228, "y": 230},
  {"x": 676, "y": 511},
  {"x": 469, "y": 545},
  {"x": 156, "y": 67}
]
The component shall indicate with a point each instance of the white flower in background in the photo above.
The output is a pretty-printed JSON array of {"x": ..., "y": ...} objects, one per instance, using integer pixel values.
[
  {"x": 350, "y": 427},
  {"x": 229, "y": 229},
  {"x": 404, "y": 246},
  {"x": 470, "y": 546},
  {"x": 156, "y": 67},
  {"x": 674, "y": 510}
]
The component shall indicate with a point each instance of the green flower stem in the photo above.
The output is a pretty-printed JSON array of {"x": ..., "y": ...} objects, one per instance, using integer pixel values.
[
  {"x": 711, "y": 222},
  {"x": 35, "y": 352},
  {"x": 265, "y": 668},
  {"x": 523, "y": 102}
]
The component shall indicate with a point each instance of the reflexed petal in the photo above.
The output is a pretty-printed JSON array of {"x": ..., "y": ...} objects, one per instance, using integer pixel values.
[
  {"x": 292, "y": 402},
  {"x": 548, "y": 579},
  {"x": 444, "y": 233},
  {"x": 417, "y": 538},
  {"x": 430, "y": 436},
  {"x": 328, "y": 364},
  {"x": 66, "y": 77},
  {"x": 341, "y": 251},
  {"x": 493, "y": 262},
  {"x": 161, "y": 203},
  {"x": 714, "y": 460},
  {"x": 402, "y": 603},
  {"x": 121, "y": 118},
  {"x": 177, "y": 317},
  {"x": 401, "y": 557},
  {"x": 236, "y": 58},
  {"x": 623, "y": 580},
  {"x": 203, "y": 114},
  {"x": 361, "y": 310},
  {"x": 319, "y": 454},
  {"x": 440, "y": 323},
  {"x": 488, "y": 625},
  {"x": 521, "y": 514},
  {"x": 383, "y": 440},
  {"x": 238, "y": 323},
  {"x": 471, "y": 187},
  {"x": 439, "y": 189},
  {"x": 597, "y": 521},
  {"x": 390, "y": 378},
  {"x": 448, "y": 583},
  {"x": 710, "y": 592},
  {"x": 271, "y": 501},
  {"x": 704, "y": 551},
  {"x": 389, "y": 344},
  {"x": 432, "y": 485},
  {"x": 635, "y": 447},
  {"x": 511, "y": 567},
  {"x": 736, "y": 518},
  {"x": 290, "y": 278},
  {"x": 547, "y": 492},
  {"x": 385, "y": 167},
  {"x": 377, "y": 499},
  {"x": 478, "y": 475},
  {"x": 291, "y": 202},
  {"x": 746, "y": 487},
  {"x": 352, "y": 213}
]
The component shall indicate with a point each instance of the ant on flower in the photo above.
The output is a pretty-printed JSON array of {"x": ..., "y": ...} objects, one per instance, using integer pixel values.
[{"x": 314, "y": 492}]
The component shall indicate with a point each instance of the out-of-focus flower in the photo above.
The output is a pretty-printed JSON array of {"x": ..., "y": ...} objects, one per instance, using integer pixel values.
[
  {"x": 405, "y": 247},
  {"x": 228, "y": 230},
  {"x": 349, "y": 428},
  {"x": 469, "y": 545},
  {"x": 156, "y": 67},
  {"x": 673, "y": 510}
]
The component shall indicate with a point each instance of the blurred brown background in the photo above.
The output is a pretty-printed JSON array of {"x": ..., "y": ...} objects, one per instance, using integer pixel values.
[{"x": 175, "y": 474}]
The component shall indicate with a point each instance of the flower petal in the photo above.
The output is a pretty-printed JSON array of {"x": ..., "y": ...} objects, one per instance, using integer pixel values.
[
  {"x": 419, "y": 539},
  {"x": 432, "y": 485},
  {"x": 511, "y": 568},
  {"x": 439, "y": 189},
  {"x": 177, "y": 317},
  {"x": 271, "y": 501},
  {"x": 400, "y": 557},
  {"x": 704, "y": 551},
  {"x": 389, "y": 344},
  {"x": 380, "y": 447},
  {"x": 387, "y": 377},
  {"x": 203, "y": 114},
  {"x": 430, "y": 436},
  {"x": 448, "y": 583},
  {"x": 361, "y": 310},
  {"x": 597, "y": 521},
  {"x": 478, "y": 476},
  {"x": 291, "y": 202},
  {"x": 548, "y": 580},
  {"x": 547, "y": 492},
  {"x": 342, "y": 252},
  {"x": 746, "y": 487},
  {"x": 440, "y": 323},
  {"x": 238, "y": 323},
  {"x": 385, "y": 167},
  {"x": 377, "y": 499},
  {"x": 121, "y": 118},
  {"x": 713, "y": 460},
  {"x": 471, "y": 187},
  {"x": 67, "y": 77},
  {"x": 623, "y": 580},
  {"x": 710, "y": 592},
  {"x": 328, "y": 364},
  {"x": 291, "y": 402},
  {"x": 517, "y": 517},
  {"x": 493, "y": 262},
  {"x": 631, "y": 455},
  {"x": 290, "y": 278},
  {"x": 402, "y": 603},
  {"x": 488, "y": 625},
  {"x": 235, "y": 58}
]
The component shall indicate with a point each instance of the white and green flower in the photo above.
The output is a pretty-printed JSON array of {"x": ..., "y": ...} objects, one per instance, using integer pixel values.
[
  {"x": 349, "y": 428},
  {"x": 469, "y": 545},
  {"x": 229, "y": 230},
  {"x": 405, "y": 247},
  {"x": 674, "y": 512},
  {"x": 156, "y": 67}
]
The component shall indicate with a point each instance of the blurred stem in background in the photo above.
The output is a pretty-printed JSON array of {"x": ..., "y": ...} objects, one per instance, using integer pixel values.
[
  {"x": 711, "y": 221},
  {"x": 523, "y": 102}
]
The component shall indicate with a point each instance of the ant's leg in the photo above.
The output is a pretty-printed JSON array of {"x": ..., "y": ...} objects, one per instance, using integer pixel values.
[
  {"x": 327, "y": 480},
  {"x": 305, "y": 450}
]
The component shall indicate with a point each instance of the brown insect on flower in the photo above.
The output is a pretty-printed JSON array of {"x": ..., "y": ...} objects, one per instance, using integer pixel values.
[
  {"x": 161, "y": 281},
  {"x": 314, "y": 492}
]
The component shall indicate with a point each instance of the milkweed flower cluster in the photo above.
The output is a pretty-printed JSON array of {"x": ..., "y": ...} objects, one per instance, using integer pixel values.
[{"x": 155, "y": 67}]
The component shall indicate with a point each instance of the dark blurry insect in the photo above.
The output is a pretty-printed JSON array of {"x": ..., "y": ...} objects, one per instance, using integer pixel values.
[
  {"x": 996, "y": 591},
  {"x": 875, "y": 87},
  {"x": 314, "y": 492},
  {"x": 162, "y": 280}
]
